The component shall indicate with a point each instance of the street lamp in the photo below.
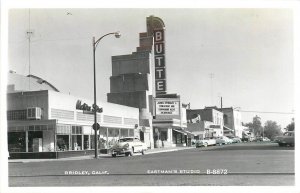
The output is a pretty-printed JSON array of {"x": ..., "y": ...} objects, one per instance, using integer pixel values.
[{"x": 95, "y": 44}]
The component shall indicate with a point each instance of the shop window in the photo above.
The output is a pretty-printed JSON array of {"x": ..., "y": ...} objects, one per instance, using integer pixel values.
[
  {"x": 16, "y": 115},
  {"x": 62, "y": 142},
  {"x": 16, "y": 142},
  {"x": 174, "y": 137},
  {"x": 124, "y": 132},
  {"x": 113, "y": 132},
  {"x": 92, "y": 141},
  {"x": 102, "y": 143},
  {"x": 76, "y": 142},
  {"x": 110, "y": 132},
  {"x": 86, "y": 142},
  {"x": 164, "y": 135},
  {"x": 63, "y": 129},
  {"x": 117, "y": 132},
  {"x": 178, "y": 138},
  {"x": 131, "y": 132},
  {"x": 76, "y": 130},
  {"x": 103, "y": 132}
]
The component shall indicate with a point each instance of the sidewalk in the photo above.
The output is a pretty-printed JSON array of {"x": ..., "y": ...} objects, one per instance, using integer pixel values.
[{"x": 101, "y": 156}]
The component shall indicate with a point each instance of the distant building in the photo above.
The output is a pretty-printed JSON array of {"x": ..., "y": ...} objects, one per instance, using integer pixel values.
[
  {"x": 208, "y": 120},
  {"x": 248, "y": 134},
  {"x": 233, "y": 121}
]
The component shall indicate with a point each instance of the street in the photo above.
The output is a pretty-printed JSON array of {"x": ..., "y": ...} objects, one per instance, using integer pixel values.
[{"x": 243, "y": 164}]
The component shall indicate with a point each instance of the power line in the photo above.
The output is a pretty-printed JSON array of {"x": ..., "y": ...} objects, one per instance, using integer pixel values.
[{"x": 287, "y": 113}]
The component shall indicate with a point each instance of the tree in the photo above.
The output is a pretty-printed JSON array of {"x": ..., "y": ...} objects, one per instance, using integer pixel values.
[
  {"x": 271, "y": 129},
  {"x": 255, "y": 126},
  {"x": 291, "y": 126}
]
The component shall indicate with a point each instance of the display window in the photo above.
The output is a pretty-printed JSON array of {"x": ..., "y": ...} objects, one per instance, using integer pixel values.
[
  {"x": 62, "y": 142},
  {"x": 16, "y": 141}
]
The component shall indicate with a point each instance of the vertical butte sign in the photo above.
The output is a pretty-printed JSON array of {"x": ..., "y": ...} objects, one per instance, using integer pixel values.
[{"x": 159, "y": 57}]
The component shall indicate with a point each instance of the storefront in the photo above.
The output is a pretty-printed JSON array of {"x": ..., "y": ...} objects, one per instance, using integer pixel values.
[
  {"x": 48, "y": 121},
  {"x": 169, "y": 125}
]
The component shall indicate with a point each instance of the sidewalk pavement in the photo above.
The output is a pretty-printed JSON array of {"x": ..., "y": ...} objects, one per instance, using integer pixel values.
[{"x": 101, "y": 156}]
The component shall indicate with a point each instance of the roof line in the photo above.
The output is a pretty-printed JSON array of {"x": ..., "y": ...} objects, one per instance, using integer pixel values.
[{"x": 43, "y": 81}]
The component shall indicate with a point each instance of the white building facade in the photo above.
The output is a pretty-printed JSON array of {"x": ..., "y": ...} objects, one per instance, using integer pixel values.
[{"x": 51, "y": 121}]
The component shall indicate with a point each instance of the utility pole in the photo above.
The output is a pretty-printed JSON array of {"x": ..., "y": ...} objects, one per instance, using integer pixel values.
[
  {"x": 212, "y": 89},
  {"x": 221, "y": 103},
  {"x": 29, "y": 34}
]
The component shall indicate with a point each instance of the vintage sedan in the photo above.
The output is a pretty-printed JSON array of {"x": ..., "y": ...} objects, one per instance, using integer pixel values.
[
  {"x": 288, "y": 138},
  {"x": 220, "y": 141},
  {"x": 235, "y": 139},
  {"x": 128, "y": 146},
  {"x": 205, "y": 142}
]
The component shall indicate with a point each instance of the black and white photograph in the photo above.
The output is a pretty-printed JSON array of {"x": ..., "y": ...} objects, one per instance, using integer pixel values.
[{"x": 104, "y": 97}]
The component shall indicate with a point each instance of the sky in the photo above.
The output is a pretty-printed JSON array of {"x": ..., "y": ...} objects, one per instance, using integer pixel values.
[{"x": 248, "y": 51}]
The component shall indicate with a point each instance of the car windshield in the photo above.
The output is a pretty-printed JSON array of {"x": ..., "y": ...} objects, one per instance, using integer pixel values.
[{"x": 126, "y": 140}]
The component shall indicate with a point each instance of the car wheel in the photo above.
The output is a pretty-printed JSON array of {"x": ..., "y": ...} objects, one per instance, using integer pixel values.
[
  {"x": 114, "y": 155},
  {"x": 281, "y": 144},
  {"x": 292, "y": 144},
  {"x": 131, "y": 153}
]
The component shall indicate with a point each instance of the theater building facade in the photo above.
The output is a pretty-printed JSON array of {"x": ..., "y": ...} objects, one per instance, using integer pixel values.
[{"x": 139, "y": 80}]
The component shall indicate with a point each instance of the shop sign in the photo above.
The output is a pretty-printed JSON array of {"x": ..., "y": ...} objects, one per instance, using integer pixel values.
[
  {"x": 96, "y": 127},
  {"x": 167, "y": 107},
  {"x": 215, "y": 126},
  {"x": 159, "y": 57},
  {"x": 86, "y": 108}
]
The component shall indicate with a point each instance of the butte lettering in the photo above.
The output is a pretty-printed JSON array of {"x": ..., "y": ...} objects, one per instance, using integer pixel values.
[{"x": 159, "y": 57}]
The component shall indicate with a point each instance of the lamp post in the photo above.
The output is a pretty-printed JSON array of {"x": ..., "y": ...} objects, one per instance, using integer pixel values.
[{"x": 95, "y": 44}]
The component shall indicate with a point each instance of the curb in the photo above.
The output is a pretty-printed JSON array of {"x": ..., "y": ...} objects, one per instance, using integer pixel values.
[
  {"x": 169, "y": 150},
  {"x": 91, "y": 157}
]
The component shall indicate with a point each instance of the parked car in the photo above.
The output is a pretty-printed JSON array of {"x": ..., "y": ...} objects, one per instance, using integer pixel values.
[
  {"x": 266, "y": 139},
  {"x": 128, "y": 146},
  {"x": 288, "y": 138},
  {"x": 220, "y": 141},
  {"x": 205, "y": 142},
  {"x": 227, "y": 140},
  {"x": 235, "y": 139},
  {"x": 258, "y": 139}
]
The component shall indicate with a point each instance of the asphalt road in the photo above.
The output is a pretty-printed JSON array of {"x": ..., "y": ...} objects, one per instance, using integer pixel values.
[{"x": 249, "y": 164}]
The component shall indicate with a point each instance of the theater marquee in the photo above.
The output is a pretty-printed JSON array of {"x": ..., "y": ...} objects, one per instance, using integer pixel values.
[{"x": 167, "y": 107}]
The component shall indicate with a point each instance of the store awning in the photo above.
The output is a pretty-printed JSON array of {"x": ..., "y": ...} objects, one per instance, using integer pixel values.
[
  {"x": 184, "y": 132},
  {"x": 227, "y": 128}
]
